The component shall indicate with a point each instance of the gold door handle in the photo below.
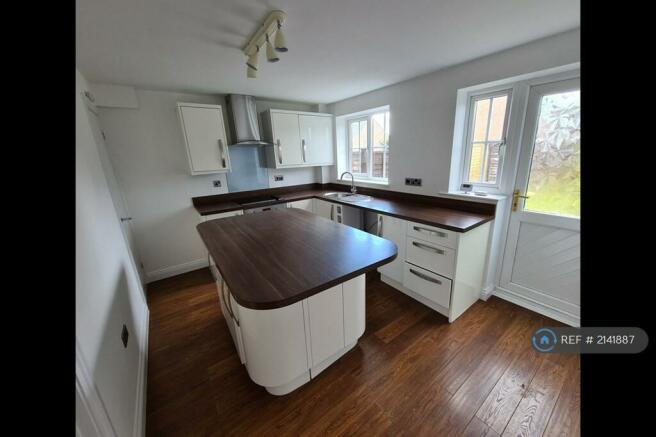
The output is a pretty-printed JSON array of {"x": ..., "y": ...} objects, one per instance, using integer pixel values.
[{"x": 516, "y": 197}]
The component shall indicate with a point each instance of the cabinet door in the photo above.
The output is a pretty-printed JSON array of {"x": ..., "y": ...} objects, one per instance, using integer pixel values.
[
  {"x": 305, "y": 204},
  {"x": 324, "y": 209},
  {"x": 326, "y": 314},
  {"x": 393, "y": 229},
  {"x": 205, "y": 138},
  {"x": 317, "y": 139},
  {"x": 286, "y": 139}
]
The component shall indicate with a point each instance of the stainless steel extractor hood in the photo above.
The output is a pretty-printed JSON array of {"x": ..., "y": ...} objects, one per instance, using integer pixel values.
[{"x": 243, "y": 121}]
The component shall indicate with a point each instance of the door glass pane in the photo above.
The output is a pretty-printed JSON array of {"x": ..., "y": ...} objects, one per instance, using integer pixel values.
[{"x": 554, "y": 185}]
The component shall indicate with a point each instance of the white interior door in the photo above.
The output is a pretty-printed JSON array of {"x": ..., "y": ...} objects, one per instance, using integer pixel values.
[
  {"x": 541, "y": 264},
  {"x": 115, "y": 191}
]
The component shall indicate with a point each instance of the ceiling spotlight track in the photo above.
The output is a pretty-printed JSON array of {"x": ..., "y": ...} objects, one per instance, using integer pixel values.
[{"x": 272, "y": 25}]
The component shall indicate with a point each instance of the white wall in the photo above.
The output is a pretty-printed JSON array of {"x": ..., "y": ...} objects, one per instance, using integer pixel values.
[
  {"x": 422, "y": 110},
  {"x": 108, "y": 294},
  {"x": 147, "y": 149}
]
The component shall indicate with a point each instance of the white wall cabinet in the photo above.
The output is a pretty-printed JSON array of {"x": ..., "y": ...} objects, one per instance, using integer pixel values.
[
  {"x": 393, "y": 229},
  {"x": 317, "y": 138},
  {"x": 205, "y": 138},
  {"x": 300, "y": 139}
]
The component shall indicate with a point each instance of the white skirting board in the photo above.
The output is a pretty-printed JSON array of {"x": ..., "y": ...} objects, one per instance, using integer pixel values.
[
  {"x": 167, "y": 272},
  {"x": 538, "y": 307}
]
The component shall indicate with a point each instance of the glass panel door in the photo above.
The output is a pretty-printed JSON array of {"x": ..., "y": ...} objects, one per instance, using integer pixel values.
[
  {"x": 554, "y": 182},
  {"x": 541, "y": 260}
]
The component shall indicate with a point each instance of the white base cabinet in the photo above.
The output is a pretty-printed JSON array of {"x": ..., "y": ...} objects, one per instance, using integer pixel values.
[
  {"x": 306, "y": 204},
  {"x": 324, "y": 208},
  {"x": 286, "y": 347},
  {"x": 393, "y": 229},
  {"x": 440, "y": 268}
]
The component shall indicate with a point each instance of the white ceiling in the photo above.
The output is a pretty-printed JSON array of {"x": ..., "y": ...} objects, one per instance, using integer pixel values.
[{"x": 337, "y": 48}]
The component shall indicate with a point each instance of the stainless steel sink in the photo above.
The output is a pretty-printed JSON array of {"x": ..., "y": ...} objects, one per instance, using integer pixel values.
[{"x": 348, "y": 197}]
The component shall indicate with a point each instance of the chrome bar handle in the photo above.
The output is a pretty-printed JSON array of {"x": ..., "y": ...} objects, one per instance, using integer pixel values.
[
  {"x": 332, "y": 211},
  {"x": 304, "y": 149},
  {"x": 425, "y": 277},
  {"x": 222, "y": 153},
  {"x": 380, "y": 225},
  {"x": 279, "y": 152},
  {"x": 427, "y": 247},
  {"x": 228, "y": 303},
  {"x": 430, "y": 231}
]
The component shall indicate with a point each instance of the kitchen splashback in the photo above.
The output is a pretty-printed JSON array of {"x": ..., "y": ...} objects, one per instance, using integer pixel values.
[{"x": 248, "y": 170}]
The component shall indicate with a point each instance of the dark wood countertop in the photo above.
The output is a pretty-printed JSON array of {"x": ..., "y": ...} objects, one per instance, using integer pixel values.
[
  {"x": 454, "y": 215},
  {"x": 275, "y": 258}
]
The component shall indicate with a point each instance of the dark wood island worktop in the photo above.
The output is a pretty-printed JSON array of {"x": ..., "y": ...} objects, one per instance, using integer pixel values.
[{"x": 275, "y": 259}]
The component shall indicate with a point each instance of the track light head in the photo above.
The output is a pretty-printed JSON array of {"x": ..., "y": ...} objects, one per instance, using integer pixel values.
[
  {"x": 279, "y": 43},
  {"x": 272, "y": 56},
  {"x": 253, "y": 58}
]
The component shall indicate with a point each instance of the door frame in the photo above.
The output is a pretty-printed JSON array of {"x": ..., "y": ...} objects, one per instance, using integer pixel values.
[
  {"x": 126, "y": 226},
  {"x": 519, "y": 177}
]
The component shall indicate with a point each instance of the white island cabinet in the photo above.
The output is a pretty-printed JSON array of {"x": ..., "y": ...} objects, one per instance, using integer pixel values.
[
  {"x": 283, "y": 348},
  {"x": 290, "y": 320}
]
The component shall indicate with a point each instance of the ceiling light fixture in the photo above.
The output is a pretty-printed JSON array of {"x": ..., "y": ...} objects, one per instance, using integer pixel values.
[
  {"x": 272, "y": 25},
  {"x": 280, "y": 44},
  {"x": 272, "y": 56},
  {"x": 252, "y": 59}
]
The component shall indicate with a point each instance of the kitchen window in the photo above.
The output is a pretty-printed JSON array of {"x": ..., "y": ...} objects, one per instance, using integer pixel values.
[
  {"x": 486, "y": 138},
  {"x": 368, "y": 146}
]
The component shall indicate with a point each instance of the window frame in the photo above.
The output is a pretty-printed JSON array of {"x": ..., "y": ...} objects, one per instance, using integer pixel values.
[
  {"x": 469, "y": 124},
  {"x": 367, "y": 177}
]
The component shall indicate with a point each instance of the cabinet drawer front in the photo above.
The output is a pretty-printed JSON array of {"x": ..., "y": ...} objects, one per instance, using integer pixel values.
[
  {"x": 432, "y": 234},
  {"x": 431, "y": 256},
  {"x": 433, "y": 287}
]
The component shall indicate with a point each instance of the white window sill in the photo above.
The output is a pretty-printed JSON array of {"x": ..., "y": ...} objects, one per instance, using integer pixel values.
[
  {"x": 488, "y": 198},
  {"x": 347, "y": 181},
  {"x": 372, "y": 181}
]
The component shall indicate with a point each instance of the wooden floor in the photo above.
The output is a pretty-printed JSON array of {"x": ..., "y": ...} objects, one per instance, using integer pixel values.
[{"x": 410, "y": 374}]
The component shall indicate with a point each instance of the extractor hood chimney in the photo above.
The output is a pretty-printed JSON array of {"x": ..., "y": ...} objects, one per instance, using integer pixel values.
[{"x": 243, "y": 121}]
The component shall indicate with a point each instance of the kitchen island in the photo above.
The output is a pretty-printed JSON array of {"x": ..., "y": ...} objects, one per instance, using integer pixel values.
[{"x": 292, "y": 287}]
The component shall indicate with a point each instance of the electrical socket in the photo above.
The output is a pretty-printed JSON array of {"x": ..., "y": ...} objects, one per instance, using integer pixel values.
[
  {"x": 216, "y": 183},
  {"x": 278, "y": 177},
  {"x": 413, "y": 181}
]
